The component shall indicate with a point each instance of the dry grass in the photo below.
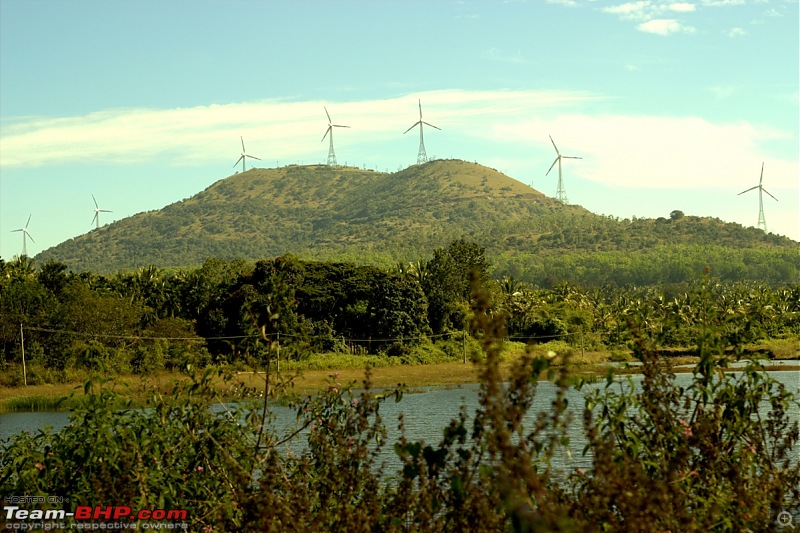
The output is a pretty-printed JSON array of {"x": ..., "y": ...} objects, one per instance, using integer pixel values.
[
  {"x": 309, "y": 381},
  {"x": 139, "y": 389},
  {"x": 384, "y": 377}
]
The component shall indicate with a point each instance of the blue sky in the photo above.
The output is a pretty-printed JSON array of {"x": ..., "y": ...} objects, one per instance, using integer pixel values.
[{"x": 672, "y": 105}]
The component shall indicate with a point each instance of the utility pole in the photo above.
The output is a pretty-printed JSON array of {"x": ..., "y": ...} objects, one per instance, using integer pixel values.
[{"x": 22, "y": 345}]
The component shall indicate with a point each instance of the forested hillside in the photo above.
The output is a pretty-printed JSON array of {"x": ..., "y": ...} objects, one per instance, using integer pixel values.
[{"x": 344, "y": 213}]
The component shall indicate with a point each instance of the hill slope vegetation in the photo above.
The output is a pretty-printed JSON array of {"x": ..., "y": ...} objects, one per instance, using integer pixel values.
[{"x": 345, "y": 213}]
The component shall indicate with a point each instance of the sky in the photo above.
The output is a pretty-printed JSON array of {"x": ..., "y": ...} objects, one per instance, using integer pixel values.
[{"x": 670, "y": 105}]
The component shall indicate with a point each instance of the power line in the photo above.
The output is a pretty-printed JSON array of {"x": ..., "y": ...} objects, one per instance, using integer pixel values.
[
  {"x": 136, "y": 337},
  {"x": 285, "y": 335}
]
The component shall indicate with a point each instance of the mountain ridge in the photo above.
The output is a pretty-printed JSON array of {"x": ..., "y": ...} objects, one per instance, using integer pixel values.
[{"x": 323, "y": 212}]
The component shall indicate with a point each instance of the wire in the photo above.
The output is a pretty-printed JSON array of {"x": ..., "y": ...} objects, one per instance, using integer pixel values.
[
  {"x": 276, "y": 335},
  {"x": 136, "y": 337}
]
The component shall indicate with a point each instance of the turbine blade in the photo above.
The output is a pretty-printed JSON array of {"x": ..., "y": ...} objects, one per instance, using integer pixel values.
[
  {"x": 238, "y": 160},
  {"x": 106, "y": 211},
  {"x": 750, "y": 189},
  {"x": 551, "y": 166},
  {"x": 326, "y": 133},
  {"x": 554, "y": 145},
  {"x": 95, "y": 201},
  {"x": 412, "y": 127},
  {"x": 29, "y": 220},
  {"x": 329, "y": 115},
  {"x": 13, "y": 230},
  {"x": 571, "y": 157},
  {"x": 29, "y": 235},
  {"x": 766, "y": 191},
  {"x": 762, "y": 174},
  {"x": 242, "y": 138},
  {"x": 94, "y": 218},
  {"x": 420, "y": 110},
  {"x": 432, "y": 126},
  {"x": 253, "y": 157},
  {"x": 339, "y": 126}
]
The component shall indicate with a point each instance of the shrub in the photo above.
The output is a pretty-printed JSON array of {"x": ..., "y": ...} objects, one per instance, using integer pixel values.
[{"x": 716, "y": 455}]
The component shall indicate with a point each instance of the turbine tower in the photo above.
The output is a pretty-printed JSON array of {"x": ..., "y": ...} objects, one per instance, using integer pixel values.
[
  {"x": 331, "y": 152},
  {"x": 25, "y": 236},
  {"x": 762, "y": 222},
  {"x": 97, "y": 211},
  {"x": 561, "y": 192},
  {"x": 422, "y": 156},
  {"x": 244, "y": 155}
]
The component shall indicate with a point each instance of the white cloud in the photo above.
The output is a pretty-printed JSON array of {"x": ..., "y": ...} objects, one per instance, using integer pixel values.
[
  {"x": 664, "y": 27},
  {"x": 630, "y": 10},
  {"x": 568, "y": 3},
  {"x": 649, "y": 152},
  {"x": 717, "y": 3},
  {"x": 653, "y": 15},
  {"x": 737, "y": 32},
  {"x": 682, "y": 7},
  {"x": 290, "y": 129},
  {"x": 629, "y": 151}
]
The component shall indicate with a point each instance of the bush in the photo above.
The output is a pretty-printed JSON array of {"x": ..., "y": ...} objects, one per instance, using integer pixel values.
[{"x": 716, "y": 455}]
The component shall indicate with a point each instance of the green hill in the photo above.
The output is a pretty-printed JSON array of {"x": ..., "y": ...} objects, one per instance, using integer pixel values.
[{"x": 347, "y": 213}]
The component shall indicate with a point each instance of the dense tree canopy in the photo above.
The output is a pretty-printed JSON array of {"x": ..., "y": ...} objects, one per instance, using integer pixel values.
[{"x": 229, "y": 311}]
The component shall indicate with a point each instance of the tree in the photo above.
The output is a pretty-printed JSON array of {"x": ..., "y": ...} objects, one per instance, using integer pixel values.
[
  {"x": 398, "y": 309},
  {"x": 448, "y": 282},
  {"x": 53, "y": 277}
]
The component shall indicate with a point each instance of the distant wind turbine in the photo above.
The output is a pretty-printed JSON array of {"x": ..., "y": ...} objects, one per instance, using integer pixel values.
[
  {"x": 762, "y": 222},
  {"x": 422, "y": 156},
  {"x": 25, "y": 236},
  {"x": 97, "y": 211},
  {"x": 331, "y": 152},
  {"x": 561, "y": 192},
  {"x": 244, "y": 155}
]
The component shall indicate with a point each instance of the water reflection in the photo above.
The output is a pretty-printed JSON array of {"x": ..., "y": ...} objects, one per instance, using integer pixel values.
[{"x": 426, "y": 414}]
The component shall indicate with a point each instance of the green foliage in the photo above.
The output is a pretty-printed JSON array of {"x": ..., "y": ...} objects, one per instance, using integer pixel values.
[
  {"x": 716, "y": 455},
  {"x": 240, "y": 313},
  {"x": 713, "y": 456},
  {"x": 445, "y": 279},
  {"x": 178, "y": 454},
  {"x": 351, "y": 215}
]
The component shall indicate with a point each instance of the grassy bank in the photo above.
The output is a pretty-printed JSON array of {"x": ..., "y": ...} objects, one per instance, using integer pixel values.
[
  {"x": 302, "y": 377},
  {"x": 314, "y": 374}
]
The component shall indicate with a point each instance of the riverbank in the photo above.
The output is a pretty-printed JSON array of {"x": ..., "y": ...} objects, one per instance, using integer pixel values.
[
  {"x": 241, "y": 383},
  {"x": 237, "y": 383}
]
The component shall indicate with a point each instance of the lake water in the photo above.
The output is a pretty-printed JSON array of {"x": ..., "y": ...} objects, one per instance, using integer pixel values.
[{"x": 426, "y": 414}]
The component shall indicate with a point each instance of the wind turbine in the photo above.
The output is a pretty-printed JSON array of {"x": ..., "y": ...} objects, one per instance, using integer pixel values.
[
  {"x": 422, "y": 157},
  {"x": 331, "y": 152},
  {"x": 762, "y": 222},
  {"x": 25, "y": 236},
  {"x": 561, "y": 192},
  {"x": 97, "y": 211},
  {"x": 244, "y": 155}
]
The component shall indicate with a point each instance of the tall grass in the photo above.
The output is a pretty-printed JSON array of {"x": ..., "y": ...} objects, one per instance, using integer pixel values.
[{"x": 37, "y": 403}]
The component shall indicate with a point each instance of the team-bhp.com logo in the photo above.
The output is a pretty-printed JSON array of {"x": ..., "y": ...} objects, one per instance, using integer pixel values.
[{"x": 118, "y": 517}]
